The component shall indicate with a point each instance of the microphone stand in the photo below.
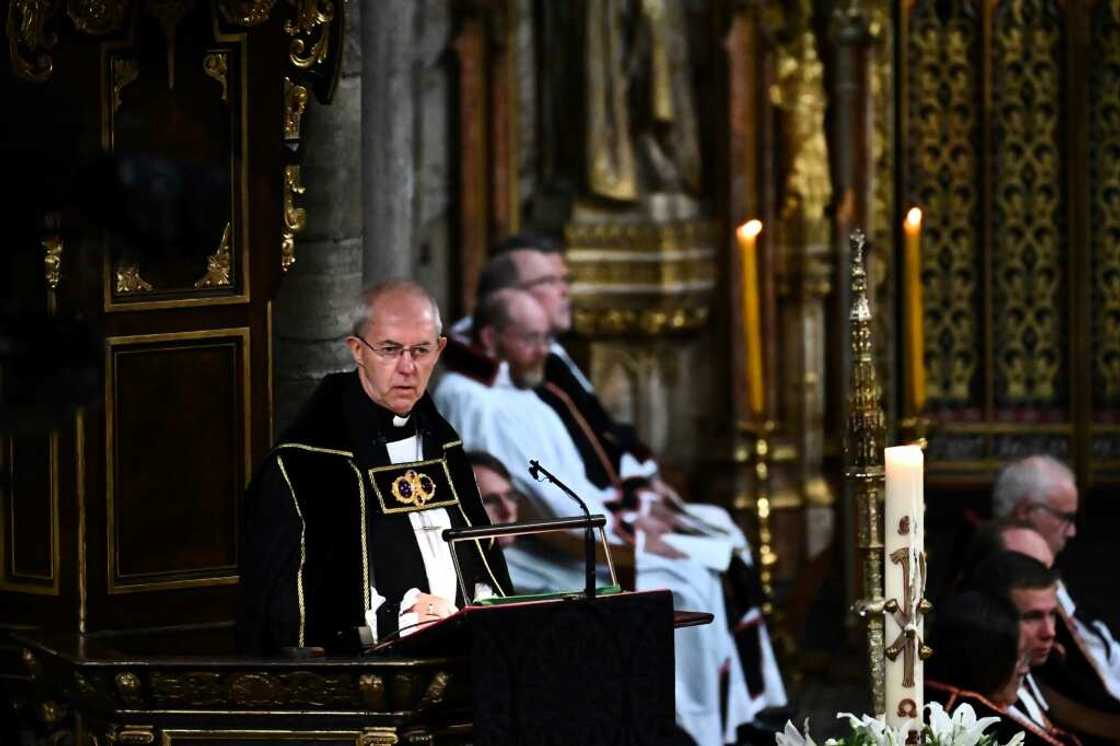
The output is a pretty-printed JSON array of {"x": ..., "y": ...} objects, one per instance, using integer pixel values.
[{"x": 536, "y": 469}]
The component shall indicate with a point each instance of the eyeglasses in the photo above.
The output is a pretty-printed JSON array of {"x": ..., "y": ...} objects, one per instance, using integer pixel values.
[
  {"x": 546, "y": 280},
  {"x": 498, "y": 498},
  {"x": 1061, "y": 516},
  {"x": 530, "y": 339},
  {"x": 391, "y": 351}
]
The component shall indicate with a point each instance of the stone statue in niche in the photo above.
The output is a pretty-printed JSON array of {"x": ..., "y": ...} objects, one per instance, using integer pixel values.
[
  {"x": 641, "y": 134},
  {"x": 618, "y": 110}
]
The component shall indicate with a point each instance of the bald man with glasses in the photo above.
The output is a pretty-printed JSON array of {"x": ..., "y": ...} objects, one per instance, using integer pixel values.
[{"x": 341, "y": 536}]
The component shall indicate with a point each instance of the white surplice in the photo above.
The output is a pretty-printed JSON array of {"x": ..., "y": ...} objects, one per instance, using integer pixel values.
[{"x": 515, "y": 425}]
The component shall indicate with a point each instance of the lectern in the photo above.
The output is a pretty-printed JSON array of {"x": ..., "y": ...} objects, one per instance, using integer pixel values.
[
  {"x": 579, "y": 667},
  {"x": 567, "y": 670}
]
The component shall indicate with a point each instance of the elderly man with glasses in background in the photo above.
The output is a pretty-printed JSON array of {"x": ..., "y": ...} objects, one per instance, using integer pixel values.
[
  {"x": 341, "y": 536},
  {"x": 1041, "y": 491}
]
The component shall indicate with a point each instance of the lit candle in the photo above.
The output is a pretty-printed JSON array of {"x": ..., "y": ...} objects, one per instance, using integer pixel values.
[
  {"x": 915, "y": 343},
  {"x": 752, "y": 319},
  {"x": 904, "y": 582}
]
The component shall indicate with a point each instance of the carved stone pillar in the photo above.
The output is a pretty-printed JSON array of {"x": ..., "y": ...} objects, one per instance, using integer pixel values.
[
  {"x": 856, "y": 180},
  {"x": 311, "y": 311},
  {"x": 388, "y": 138}
]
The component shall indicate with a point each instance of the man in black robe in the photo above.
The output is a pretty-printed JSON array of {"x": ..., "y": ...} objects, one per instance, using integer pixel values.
[{"x": 341, "y": 533}]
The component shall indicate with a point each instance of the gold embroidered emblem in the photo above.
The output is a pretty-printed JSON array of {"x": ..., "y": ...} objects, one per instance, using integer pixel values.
[{"x": 414, "y": 488}]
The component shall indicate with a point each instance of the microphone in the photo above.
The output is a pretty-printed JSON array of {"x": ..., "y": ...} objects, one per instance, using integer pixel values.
[{"x": 535, "y": 470}]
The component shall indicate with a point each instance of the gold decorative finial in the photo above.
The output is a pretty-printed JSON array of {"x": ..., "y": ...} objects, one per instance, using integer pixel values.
[{"x": 863, "y": 457}]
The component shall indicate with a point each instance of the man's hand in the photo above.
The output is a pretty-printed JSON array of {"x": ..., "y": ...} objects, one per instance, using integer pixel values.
[
  {"x": 429, "y": 608},
  {"x": 657, "y": 545},
  {"x": 654, "y": 544}
]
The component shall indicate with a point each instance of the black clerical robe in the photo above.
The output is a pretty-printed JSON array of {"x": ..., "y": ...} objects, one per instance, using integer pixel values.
[
  {"x": 327, "y": 517},
  {"x": 1071, "y": 670},
  {"x": 602, "y": 441}
]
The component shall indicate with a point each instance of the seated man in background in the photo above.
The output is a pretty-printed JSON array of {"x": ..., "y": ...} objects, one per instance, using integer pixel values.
[
  {"x": 980, "y": 659},
  {"x": 613, "y": 456},
  {"x": 1047, "y": 693},
  {"x": 500, "y": 413},
  {"x": 1042, "y": 492}
]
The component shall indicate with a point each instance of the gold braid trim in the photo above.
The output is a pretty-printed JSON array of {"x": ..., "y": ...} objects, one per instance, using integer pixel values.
[
  {"x": 362, "y": 508},
  {"x": 316, "y": 449},
  {"x": 365, "y": 551},
  {"x": 302, "y": 552}
]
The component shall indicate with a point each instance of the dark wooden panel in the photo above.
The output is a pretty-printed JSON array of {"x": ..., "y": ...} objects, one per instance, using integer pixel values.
[
  {"x": 238, "y": 738},
  {"x": 177, "y": 457},
  {"x": 189, "y": 201},
  {"x": 30, "y": 513}
]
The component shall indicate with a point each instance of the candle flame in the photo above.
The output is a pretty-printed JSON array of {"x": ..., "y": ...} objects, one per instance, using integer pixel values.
[
  {"x": 750, "y": 229},
  {"x": 914, "y": 217}
]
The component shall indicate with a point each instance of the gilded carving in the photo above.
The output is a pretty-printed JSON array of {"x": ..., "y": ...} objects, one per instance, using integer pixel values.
[
  {"x": 194, "y": 689},
  {"x": 52, "y": 260},
  {"x": 300, "y": 688},
  {"x": 309, "y": 25},
  {"x": 378, "y": 737},
  {"x": 405, "y": 690},
  {"x": 437, "y": 689},
  {"x": 943, "y": 132},
  {"x": 310, "y": 689},
  {"x": 50, "y": 712},
  {"x": 295, "y": 103},
  {"x": 799, "y": 93},
  {"x": 641, "y": 278},
  {"x": 1029, "y": 248},
  {"x": 216, "y": 65},
  {"x": 372, "y": 688},
  {"x": 1104, "y": 102},
  {"x": 641, "y": 237},
  {"x": 140, "y": 734},
  {"x": 648, "y": 321},
  {"x": 295, "y": 218},
  {"x": 128, "y": 688},
  {"x": 28, "y": 43},
  {"x": 124, "y": 70},
  {"x": 597, "y": 268},
  {"x": 218, "y": 265},
  {"x": 97, "y": 16},
  {"x": 256, "y": 690},
  {"x": 246, "y": 12},
  {"x": 129, "y": 280}
]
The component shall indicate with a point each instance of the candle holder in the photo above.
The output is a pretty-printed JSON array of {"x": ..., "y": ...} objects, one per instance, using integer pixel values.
[
  {"x": 755, "y": 451},
  {"x": 863, "y": 460}
]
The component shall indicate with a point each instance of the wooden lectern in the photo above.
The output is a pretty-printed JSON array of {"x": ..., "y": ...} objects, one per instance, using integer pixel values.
[{"x": 568, "y": 670}]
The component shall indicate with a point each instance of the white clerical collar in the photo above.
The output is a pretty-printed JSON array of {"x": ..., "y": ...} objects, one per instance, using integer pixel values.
[
  {"x": 502, "y": 378},
  {"x": 399, "y": 421},
  {"x": 1065, "y": 600}
]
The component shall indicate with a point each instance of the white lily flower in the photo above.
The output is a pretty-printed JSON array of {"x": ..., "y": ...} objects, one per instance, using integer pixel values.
[
  {"x": 878, "y": 730},
  {"x": 792, "y": 737}
]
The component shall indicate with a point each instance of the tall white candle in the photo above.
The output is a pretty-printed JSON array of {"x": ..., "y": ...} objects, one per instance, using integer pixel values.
[{"x": 904, "y": 582}]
